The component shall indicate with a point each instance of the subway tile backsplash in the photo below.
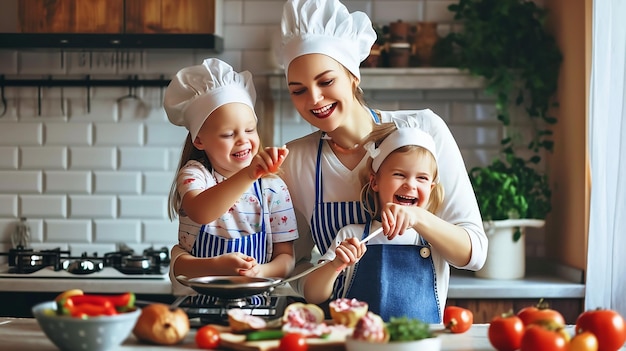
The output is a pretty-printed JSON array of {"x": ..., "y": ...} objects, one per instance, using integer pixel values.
[{"x": 92, "y": 168}]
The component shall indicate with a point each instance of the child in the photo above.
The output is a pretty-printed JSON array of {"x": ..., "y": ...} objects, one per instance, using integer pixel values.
[
  {"x": 233, "y": 219},
  {"x": 400, "y": 273}
]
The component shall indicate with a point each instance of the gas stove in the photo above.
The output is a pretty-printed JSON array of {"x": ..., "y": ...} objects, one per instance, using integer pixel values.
[
  {"x": 267, "y": 307},
  {"x": 56, "y": 263}
]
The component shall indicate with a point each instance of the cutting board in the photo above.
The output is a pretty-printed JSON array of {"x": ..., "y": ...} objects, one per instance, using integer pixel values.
[{"x": 237, "y": 342}]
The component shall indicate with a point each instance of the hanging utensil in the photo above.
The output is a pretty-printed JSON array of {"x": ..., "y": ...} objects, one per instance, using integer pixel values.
[{"x": 21, "y": 235}]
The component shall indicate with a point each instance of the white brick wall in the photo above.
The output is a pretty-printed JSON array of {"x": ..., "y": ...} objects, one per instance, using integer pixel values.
[{"x": 90, "y": 173}]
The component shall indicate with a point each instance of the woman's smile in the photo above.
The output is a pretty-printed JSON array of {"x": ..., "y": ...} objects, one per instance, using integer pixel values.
[{"x": 324, "y": 111}]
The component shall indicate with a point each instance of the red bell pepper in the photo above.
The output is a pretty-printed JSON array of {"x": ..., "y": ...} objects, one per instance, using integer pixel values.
[{"x": 121, "y": 301}]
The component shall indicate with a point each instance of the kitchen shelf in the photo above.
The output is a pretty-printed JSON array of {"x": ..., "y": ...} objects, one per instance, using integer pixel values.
[
  {"x": 401, "y": 79},
  {"x": 82, "y": 41}
]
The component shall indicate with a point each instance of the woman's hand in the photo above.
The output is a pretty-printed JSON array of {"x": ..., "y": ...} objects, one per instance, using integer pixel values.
[
  {"x": 267, "y": 161},
  {"x": 396, "y": 219},
  {"x": 347, "y": 253}
]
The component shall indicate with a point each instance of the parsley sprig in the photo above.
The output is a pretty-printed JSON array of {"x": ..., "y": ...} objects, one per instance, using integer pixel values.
[{"x": 406, "y": 329}]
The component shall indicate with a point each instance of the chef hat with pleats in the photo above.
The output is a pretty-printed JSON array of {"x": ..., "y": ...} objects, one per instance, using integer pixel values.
[
  {"x": 196, "y": 91},
  {"x": 325, "y": 27}
]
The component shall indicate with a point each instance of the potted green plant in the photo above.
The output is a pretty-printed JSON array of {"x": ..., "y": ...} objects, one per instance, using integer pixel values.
[{"x": 506, "y": 42}]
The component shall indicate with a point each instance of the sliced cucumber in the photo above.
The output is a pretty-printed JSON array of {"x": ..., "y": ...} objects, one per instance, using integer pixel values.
[{"x": 269, "y": 334}]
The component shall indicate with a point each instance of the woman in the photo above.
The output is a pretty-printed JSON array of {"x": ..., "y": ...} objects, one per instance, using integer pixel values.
[{"x": 322, "y": 47}]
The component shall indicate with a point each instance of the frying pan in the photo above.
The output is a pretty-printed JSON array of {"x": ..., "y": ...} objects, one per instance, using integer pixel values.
[{"x": 236, "y": 287}]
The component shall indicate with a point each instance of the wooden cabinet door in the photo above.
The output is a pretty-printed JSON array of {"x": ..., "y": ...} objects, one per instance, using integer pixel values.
[
  {"x": 170, "y": 16},
  {"x": 71, "y": 16}
]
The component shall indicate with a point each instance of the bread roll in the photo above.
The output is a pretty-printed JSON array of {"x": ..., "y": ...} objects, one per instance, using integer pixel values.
[{"x": 157, "y": 324}]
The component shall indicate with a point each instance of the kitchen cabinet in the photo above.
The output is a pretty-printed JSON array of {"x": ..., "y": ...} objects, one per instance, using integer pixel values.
[
  {"x": 170, "y": 16},
  {"x": 71, "y": 16},
  {"x": 118, "y": 16}
]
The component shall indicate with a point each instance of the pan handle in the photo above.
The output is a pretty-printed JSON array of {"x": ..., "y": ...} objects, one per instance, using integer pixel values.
[
  {"x": 183, "y": 279},
  {"x": 303, "y": 273}
]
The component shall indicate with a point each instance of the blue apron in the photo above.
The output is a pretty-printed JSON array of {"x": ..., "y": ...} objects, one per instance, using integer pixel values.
[
  {"x": 254, "y": 245},
  {"x": 329, "y": 217},
  {"x": 397, "y": 280}
]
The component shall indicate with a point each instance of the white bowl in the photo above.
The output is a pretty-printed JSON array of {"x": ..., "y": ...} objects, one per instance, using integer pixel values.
[
  {"x": 102, "y": 333},
  {"x": 430, "y": 344}
]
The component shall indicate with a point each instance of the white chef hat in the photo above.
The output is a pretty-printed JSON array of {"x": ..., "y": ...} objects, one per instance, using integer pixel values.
[
  {"x": 196, "y": 91},
  {"x": 325, "y": 27},
  {"x": 403, "y": 136}
]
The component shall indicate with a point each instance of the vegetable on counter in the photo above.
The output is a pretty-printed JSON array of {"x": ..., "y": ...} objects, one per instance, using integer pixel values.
[
  {"x": 77, "y": 304},
  {"x": 408, "y": 329},
  {"x": 457, "y": 319}
]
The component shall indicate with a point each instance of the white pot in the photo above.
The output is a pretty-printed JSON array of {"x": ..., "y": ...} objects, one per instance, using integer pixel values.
[{"x": 506, "y": 259}]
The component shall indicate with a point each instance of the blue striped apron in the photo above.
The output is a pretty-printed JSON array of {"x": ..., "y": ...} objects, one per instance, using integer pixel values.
[
  {"x": 407, "y": 281},
  {"x": 329, "y": 217},
  {"x": 254, "y": 245}
]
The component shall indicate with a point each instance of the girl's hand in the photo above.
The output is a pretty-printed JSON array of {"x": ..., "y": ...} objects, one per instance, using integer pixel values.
[
  {"x": 268, "y": 161},
  {"x": 252, "y": 271},
  {"x": 234, "y": 262},
  {"x": 396, "y": 219},
  {"x": 348, "y": 252}
]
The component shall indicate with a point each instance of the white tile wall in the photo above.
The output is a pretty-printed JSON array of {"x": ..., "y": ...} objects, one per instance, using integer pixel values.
[{"x": 89, "y": 171}]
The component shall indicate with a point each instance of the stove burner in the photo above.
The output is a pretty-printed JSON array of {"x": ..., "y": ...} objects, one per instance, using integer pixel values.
[
  {"x": 27, "y": 260},
  {"x": 215, "y": 312}
]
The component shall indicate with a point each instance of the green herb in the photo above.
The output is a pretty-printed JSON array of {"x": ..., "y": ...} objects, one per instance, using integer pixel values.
[{"x": 406, "y": 329}]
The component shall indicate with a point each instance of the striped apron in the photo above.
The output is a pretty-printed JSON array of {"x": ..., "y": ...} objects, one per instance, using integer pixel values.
[{"x": 254, "y": 245}]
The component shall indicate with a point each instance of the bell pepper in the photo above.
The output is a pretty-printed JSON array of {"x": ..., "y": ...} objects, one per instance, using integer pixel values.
[
  {"x": 87, "y": 310},
  {"x": 121, "y": 302}
]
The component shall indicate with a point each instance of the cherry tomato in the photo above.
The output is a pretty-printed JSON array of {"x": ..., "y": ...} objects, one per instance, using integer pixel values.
[
  {"x": 208, "y": 337},
  {"x": 607, "y": 325},
  {"x": 540, "y": 312},
  {"x": 457, "y": 319},
  {"x": 584, "y": 341},
  {"x": 293, "y": 342},
  {"x": 540, "y": 338},
  {"x": 505, "y": 332}
]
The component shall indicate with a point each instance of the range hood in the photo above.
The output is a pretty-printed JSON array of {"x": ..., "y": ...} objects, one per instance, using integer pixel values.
[{"x": 208, "y": 42}]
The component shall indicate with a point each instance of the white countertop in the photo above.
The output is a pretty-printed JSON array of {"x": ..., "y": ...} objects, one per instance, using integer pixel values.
[{"x": 462, "y": 285}]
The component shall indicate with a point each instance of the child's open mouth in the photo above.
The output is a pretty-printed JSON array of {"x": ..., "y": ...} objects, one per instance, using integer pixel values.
[
  {"x": 242, "y": 154},
  {"x": 406, "y": 200}
]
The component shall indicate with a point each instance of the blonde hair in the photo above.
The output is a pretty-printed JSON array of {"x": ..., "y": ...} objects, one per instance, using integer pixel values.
[{"x": 369, "y": 198}]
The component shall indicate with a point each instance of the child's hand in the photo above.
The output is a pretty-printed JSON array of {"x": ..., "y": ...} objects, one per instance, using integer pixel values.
[
  {"x": 348, "y": 252},
  {"x": 268, "y": 161},
  {"x": 251, "y": 272},
  {"x": 396, "y": 219},
  {"x": 234, "y": 262}
]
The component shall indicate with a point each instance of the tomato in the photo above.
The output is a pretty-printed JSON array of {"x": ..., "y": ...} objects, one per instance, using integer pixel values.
[
  {"x": 293, "y": 342},
  {"x": 457, "y": 319},
  {"x": 539, "y": 338},
  {"x": 208, "y": 337},
  {"x": 607, "y": 325},
  {"x": 540, "y": 312},
  {"x": 505, "y": 332},
  {"x": 584, "y": 341}
]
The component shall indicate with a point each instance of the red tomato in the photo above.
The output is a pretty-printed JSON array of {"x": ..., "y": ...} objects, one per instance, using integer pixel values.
[
  {"x": 607, "y": 325},
  {"x": 293, "y": 342},
  {"x": 584, "y": 341},
  {"x": 457, "y": 319},
  {"x": 540, "y": 312},
  {"x": 208, "y": 337},
  {"x": 505, "y": 332},
  {"x": 539, "y": 338}
]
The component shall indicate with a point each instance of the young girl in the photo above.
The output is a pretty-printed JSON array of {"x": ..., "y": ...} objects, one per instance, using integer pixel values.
[
  {"x": 233, "y": 219},
  {"x": 401, "y": 272}
]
